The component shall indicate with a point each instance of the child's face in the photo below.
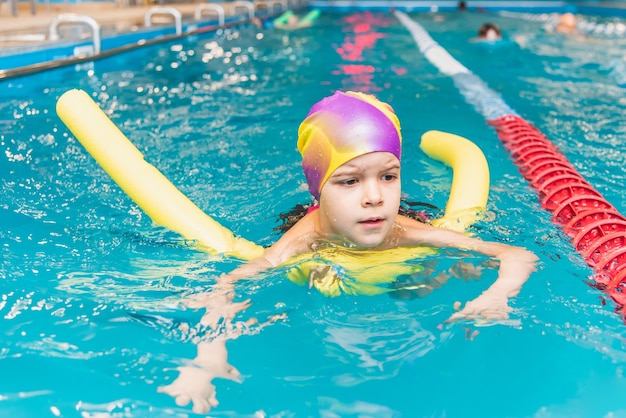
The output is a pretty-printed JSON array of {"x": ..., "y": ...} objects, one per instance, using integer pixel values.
[{"x": 360, "y": 200}]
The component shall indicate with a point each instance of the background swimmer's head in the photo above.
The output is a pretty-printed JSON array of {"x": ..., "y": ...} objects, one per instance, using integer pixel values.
[
  {"x": 490, "y": 32},
  {"x": 342, "y": 127},
  {"x": 567, "y": 23}
]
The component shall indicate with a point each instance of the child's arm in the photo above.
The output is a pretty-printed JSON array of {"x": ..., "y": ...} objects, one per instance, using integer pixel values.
[
  {"x": 516, "y": 265},
  {"x": 194, "y": 382},
  {"x": 296, "y": 240},
  {"x": 218, "y": 302}
]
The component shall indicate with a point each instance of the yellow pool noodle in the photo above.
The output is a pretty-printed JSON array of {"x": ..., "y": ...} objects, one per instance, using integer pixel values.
[
  {"x": 470, "y": 178},
  {"x": 142, "y": 182},
  {"x": 168, "y": 207}
]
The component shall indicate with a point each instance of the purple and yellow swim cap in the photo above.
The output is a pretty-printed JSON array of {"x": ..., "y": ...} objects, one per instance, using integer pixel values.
[{"x": 342, "y": 127}]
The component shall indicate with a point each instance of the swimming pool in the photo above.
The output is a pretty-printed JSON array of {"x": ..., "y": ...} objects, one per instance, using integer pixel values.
[{"x": 91, "y": 288}]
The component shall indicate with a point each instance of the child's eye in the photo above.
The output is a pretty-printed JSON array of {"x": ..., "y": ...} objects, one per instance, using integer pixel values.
[
  {"x": 389, "y": 177},
  {"x": 349, "y": 182}
]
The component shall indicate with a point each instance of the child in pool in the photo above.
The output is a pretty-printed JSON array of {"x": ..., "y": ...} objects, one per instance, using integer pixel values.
[{"x": 351, "y": 148}]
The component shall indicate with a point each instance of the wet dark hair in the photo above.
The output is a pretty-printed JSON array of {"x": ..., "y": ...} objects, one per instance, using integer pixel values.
[
  {"x": 290, "y": 218},
  {"x": 407, "y": 208},
  {"x": 486, "y": 27}
]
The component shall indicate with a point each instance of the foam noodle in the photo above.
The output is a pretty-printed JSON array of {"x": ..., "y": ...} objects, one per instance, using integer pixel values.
[
  {"x": 470, "y": 180},
  {"x": 284, "y": 18},
  {"x": 142, "y": 182},
  {"x": 282, "y": 21},
  {"x": 310, "y": 17},
  {"x": 168, "y": 207}
]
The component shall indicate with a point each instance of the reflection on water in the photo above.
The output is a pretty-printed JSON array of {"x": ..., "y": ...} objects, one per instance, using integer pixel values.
[{"x": 378, "y": 345}]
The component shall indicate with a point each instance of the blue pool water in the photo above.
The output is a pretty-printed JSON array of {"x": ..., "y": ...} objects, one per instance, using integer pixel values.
[{"x": 91, "y": 290}]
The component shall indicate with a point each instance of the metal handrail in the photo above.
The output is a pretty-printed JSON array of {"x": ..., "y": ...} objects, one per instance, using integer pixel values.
[
  {"x": 75, "y": 18},
  {"x": 178, "y": 18},
  {"x": 212, "y": 7},
  {"x": 284, "y": 4},
  {"x": 245, "y": 4}
]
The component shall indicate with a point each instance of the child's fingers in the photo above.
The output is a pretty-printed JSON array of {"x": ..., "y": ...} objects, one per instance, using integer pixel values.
[
  {"x": 471, "y": 312},
  {"x": 182, "y": 400}
]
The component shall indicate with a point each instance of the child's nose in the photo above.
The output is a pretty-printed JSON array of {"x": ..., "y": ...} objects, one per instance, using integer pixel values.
[{"x": 372, "y": 195}]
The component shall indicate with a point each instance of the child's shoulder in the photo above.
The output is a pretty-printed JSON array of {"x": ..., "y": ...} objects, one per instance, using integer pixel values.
[
  {"x": 409, "y": 222},
  {"x": 297, "y": 240},
  {"x": 414, "y": 233}
]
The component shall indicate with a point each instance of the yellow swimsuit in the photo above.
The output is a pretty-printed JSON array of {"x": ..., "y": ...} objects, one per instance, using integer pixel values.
[{"x": 334, "y": 270}]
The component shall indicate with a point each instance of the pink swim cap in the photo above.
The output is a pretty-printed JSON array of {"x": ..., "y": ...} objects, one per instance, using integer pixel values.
[{"x": 342, "y": 127}]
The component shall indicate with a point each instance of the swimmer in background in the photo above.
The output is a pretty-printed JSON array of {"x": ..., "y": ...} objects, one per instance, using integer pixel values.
[
  {"x": 567, "y": 24},
  {"x": 287, "y": 20},
  {"x": 351, "y": 147},
  {"x": 489, "y": 32},
  {"x": 293, "y": 22},
  {"x": 290, "y": 23}
]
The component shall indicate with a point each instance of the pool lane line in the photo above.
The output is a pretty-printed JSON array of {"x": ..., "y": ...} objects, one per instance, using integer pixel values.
[{"x": 597, "y": 229}]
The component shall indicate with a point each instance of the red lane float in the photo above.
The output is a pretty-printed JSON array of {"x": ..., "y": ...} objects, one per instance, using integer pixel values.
[{"x": 597, "y": 229}]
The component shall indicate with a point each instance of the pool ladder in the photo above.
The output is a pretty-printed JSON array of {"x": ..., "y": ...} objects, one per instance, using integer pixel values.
[
  {"x": 175, "y": 13},
  {"x": 219, "y": 10},
  {"x": 66, "y": 18}
]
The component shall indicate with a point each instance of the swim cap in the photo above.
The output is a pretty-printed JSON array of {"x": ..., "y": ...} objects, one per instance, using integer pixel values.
[{"x": 342, "y": 127}]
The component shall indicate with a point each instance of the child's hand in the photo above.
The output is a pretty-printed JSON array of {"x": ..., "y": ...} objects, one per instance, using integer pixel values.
[
  {"x": 516, "y": 265},
  {"x": 490, "y": 305},
  {"x": 192, "y": 385},
  {"x": 194, "y": 382}
]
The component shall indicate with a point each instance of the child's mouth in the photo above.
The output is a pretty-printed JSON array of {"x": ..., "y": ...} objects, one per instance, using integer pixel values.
[{"x": 372, "y": 221}]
